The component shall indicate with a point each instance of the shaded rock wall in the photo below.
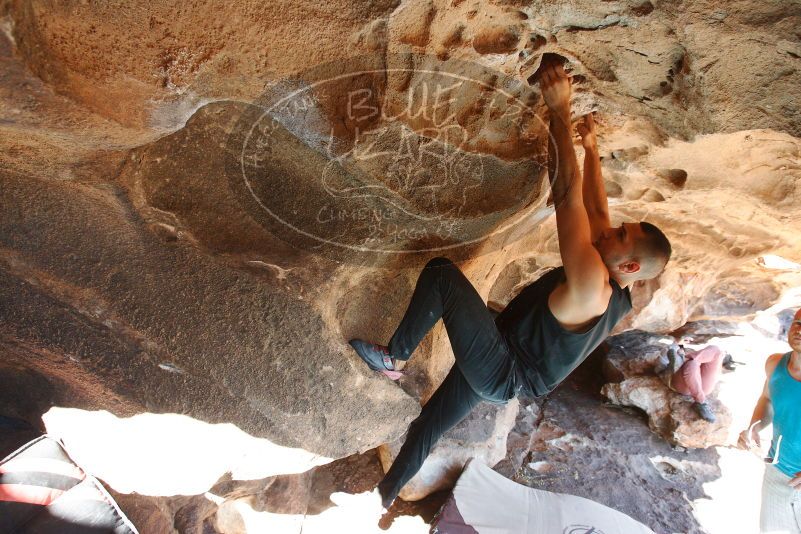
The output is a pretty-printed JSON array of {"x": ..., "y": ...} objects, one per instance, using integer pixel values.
[
  {"x": 140, "y": 272},
  {"x": 693, "y": 67}
]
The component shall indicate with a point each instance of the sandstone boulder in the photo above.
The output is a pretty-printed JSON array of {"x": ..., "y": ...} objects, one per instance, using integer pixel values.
[
  {"x": 669, "y": 414},
  {"x": 630, "y": 362}
]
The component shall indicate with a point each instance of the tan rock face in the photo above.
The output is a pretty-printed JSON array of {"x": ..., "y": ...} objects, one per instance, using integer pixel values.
[
  {"x": 732, "y": 208},
  {"x": 139, "y": 63},
  {"x": 669, "y": 414},
  {"x": 144, "y": 269},
  {"x": 103, "y": 283}
]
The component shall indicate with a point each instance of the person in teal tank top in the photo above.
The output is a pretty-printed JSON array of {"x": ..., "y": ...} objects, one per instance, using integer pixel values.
[
  {"x": 785, "y": 392},
  {"x": 780, "y": 404}
]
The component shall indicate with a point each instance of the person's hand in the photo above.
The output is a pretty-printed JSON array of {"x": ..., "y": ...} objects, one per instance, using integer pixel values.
[
  {"x": 795, "y": 482},
  {"x": 555, "y": 87},
  {"x": 749, "y": 439},
  {"x": 586, "y": 129}
]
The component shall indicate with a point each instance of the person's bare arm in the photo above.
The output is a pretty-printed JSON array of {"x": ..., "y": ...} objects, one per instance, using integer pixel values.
[
  {"x": 761, "y": 418},
  {"x": 763, "y": 411},
  {"x": 595, "y": 201},
  {"x": 586, "y": 273}
]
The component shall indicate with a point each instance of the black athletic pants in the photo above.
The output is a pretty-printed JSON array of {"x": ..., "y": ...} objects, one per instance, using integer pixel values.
[{"x": 484, "y": 368}]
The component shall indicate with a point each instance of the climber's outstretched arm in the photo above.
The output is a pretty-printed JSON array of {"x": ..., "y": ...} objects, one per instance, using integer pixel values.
[
  {"x": 586, "y": 273},
  {"x": 594, "y": 192}
]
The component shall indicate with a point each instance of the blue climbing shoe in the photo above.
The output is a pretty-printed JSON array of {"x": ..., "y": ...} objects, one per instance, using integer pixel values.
[
  {"x": 376, "y": 357},
  {"x": 705, "y": 411}
]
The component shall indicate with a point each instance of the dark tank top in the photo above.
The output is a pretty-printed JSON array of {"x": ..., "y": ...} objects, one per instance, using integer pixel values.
[{"x": 546, "y": 352}]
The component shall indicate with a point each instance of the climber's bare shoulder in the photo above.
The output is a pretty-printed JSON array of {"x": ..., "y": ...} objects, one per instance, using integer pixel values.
[
  {"x": 771, "y": 363},
  {"x": 576, "y": 309}
]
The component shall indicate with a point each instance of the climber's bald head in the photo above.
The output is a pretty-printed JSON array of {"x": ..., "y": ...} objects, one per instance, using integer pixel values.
[
  {"x": 653, "y": 249},
  {"x": 634, "y": 251}
]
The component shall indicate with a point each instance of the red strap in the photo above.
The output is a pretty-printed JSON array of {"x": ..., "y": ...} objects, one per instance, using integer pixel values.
[
  {"x": 28, "y": 494},
  {"x": 42, "y": 465}
]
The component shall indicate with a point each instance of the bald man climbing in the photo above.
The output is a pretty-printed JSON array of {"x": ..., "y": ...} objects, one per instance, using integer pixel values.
[{"x": 548, "y": 329}]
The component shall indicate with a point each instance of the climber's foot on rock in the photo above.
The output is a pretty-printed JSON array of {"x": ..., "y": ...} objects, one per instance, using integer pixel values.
[
  {"x": 376, "y": 357},
  {"x": 705, "y": 411},
  {"x": 729, "y": 363}
]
